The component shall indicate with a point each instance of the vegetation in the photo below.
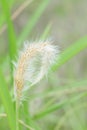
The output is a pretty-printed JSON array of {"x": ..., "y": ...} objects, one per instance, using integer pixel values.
[{"x": 57, "y": 106}]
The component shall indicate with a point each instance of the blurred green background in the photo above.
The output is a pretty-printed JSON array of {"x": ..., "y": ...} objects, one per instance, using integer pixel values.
[{"x": 58, "y": 102}]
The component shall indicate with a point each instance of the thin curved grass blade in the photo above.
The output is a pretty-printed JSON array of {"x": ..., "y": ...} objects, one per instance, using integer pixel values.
[{"x": 7, "y": 102}]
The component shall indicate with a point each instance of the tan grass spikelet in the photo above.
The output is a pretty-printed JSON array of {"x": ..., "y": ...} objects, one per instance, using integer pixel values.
[{"x": 33, "y": 63}]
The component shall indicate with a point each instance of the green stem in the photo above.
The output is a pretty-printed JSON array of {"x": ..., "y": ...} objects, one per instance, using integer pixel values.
[{"x": 17, "y": 113}]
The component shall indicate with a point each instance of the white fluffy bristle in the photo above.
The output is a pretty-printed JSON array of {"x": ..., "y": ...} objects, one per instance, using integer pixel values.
[{"x": 33, "y": 63}]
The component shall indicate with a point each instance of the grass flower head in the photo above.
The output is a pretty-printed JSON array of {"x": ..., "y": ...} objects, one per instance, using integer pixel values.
[{"x": 33, "y": 64}]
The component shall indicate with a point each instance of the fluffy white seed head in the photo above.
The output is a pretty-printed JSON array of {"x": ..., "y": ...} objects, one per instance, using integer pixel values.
[{"x": 33, "y": 64}]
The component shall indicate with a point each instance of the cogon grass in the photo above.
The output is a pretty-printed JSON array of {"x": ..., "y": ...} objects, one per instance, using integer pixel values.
[{"x": 33, "y": 64}]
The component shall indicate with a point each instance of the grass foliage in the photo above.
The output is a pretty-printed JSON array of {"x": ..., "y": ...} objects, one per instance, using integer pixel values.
[{"x": 53, "y": 100}]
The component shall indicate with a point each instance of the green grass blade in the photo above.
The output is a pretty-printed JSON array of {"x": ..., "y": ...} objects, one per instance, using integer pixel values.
[
  {"x": 2, "y": 17},
  {"x": 70, "y": 52},
  {"x": 58, "y": 106},
  {"x": 67, "y": 114},
  {"x": 31, "y": 23},
  {"x": 11, "y": 32},
  {"x": 11, "y": 35},
  {"x": 27, "y": 116},
  {"x": 7, "y": 102},
  {"x": 75, "y": 86},
  {"x": 46, "y": 32}
]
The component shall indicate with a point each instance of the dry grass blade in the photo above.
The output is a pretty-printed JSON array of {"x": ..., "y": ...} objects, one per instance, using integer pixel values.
[
  {"x": 27, "y": 126},
  {"x": 16, "y": 14}
]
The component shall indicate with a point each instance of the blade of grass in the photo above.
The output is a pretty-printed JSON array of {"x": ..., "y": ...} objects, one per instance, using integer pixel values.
[
  {"x": 15, "y": 14},
  {"x": 31, "y": 23},
  {"x": 11, "y": 33},
  {"x": 58, "y": 106},
  {"x": 68, "y": 89},
  {"x": 46, "y": 32},
  {"x": 27, "y": 116},
  {"x": 68, "y": 113},
  {"x": 7, "y": 102},
  {"x": 76, "y": 121},
  {"x": 58, "y": 92},
  {"x": 70, "y": 52},
  {"x": 2, "y": 17}
]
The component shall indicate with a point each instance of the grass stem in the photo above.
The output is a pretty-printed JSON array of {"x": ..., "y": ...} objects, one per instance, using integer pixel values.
[{"x": 17, "y": 113}]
